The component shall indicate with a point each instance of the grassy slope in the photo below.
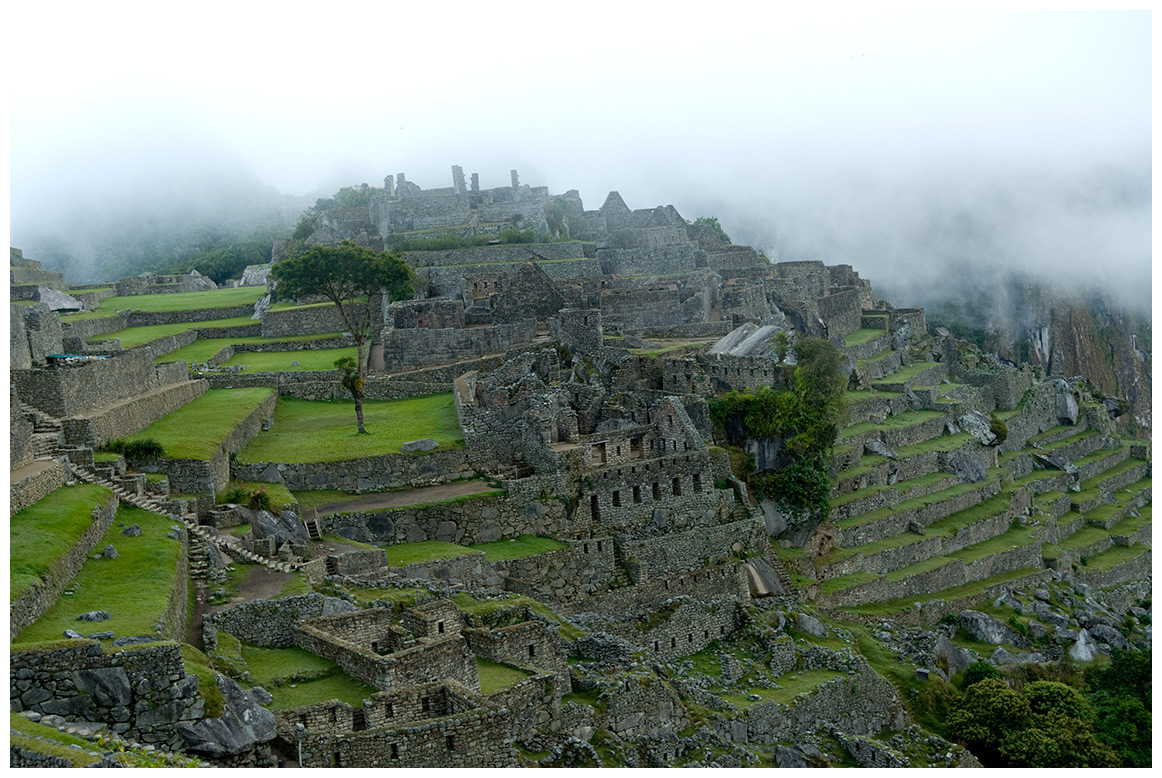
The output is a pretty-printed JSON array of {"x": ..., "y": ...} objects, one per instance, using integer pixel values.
[
  {"x": 495, "y": 676},
  {"x": 306, "y": 431},
  {"x": 268, "y": 361},
  {"x": 134, "y": 587},
  {"x": 44, "y": 532},
  {"x": 204, "y": 348},
  {"x": 517, "y": 548},
  {"x": 138, "y": 336},
  {"x": 195, "y": 430},
  {"x": 184, "y": 301}
]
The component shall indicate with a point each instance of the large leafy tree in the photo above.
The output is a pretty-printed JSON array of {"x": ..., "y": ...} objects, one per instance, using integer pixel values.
[{"x": 343, "y": 274}]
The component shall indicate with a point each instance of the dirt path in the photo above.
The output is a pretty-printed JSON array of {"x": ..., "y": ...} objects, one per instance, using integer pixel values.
[{"x": 402, "y": 498}]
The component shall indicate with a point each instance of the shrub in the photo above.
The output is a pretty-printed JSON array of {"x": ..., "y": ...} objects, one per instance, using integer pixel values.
[
  {"x": 998, "y": 428},
  {"x": 977, "y": 672},
  {"x": 258, "y": 500},
  {"x": 141, "y": 449}
]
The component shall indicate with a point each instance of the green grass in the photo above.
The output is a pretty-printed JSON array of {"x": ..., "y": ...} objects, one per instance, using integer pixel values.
[
  {"x": 76, "y": 757},
  {"x": 1123, "y": 495},
  {"x": 184, "y": 301},
  {"x": 1114, "y": 556},
  {"x": 271, "y": 667},
  {"x": 132, "y": 337},
  {"x": 1014, "y": 538},
  {"x": 1131, "y": 524},
  {"x": 1127, "y": 464},
  {"x": 268, "y": 664},
  {"x": 923, "y": 566},
  {"x": 279, "y": 495},
  {"x": 334, "y": 687},
  {"x": 134, "y": 587},
  {"x": 1085, "y": 536},
  {"x": 906, "y": 373},
  {"x": 313, "y": 498},
  {"x": 289, "y": 305},
  {"x": 105, "y": 456},
  {"x": 517, "y": 548},
  {"x": 657, "y": 352},
  {"x": 955, "y": 593},
  {"x": 940, "y": 443},
  {"x": 198, "y": 428},
  {"x": 274, "y": 361},
  {"x": 793, "y": 685},
  {"x": 306, "y": 431},
  {"x": 833, "y": 585},
  {"x": 861, "y": 336},
  {"x": 204, "y": 348},
  {"x": 466, "y": 603},
  {"x": 899, "y": 421},
  {"x": 954, "y": 522},
  {"x": 495, "y": 676},
  {"x": 404, "y": 597},
  {"x": 36, "y": 729},
  {"x": 44, "y": 532},
  {"x": 425, "y": 551}
]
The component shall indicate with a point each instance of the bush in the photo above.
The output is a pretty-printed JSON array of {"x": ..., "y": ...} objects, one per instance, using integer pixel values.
[
  {"x": 998, "y": 428},
  {"x": 141, "y": 450},
  {"x": 258, "y": 500},
  {"x": 977, "y": 672}
]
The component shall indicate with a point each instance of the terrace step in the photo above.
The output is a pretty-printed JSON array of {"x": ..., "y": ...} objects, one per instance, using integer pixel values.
[
  {"x": 879, "y": 365},
  {"x": 189, "y": 519},
  {"x": 1076, "y": 446},
  {"x": 1127, "y": 499},
  {"x": 905, "y": 429},
  {"x": 1055, "y": 435},
  {"x": 891, "y": 520},
  {"x": 919, "y": 373}
]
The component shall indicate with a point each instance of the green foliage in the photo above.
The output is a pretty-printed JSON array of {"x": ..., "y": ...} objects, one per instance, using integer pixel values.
[
  {"x": 138, "y": 450},
  {"x": 447, "y": 242},
  {"x": 198, "y": 428},
  {"x": 514, "y": 235},
  {"x": 977, "y": 672},
  {"x": 1124, "y": 724},
  {"x": 781, "y": 343},
  {"x": 998, "y": 428},
  {"x": 1046, "y": 697},
  {"x": 712, "y": 223},
  {"x": 806, "y": 417},
  {"x": 351, "y": 380},
  {"x": 987, "y": 711},
  {"x": 342, "y": 274},
  {"x": 555, "y": 212}
]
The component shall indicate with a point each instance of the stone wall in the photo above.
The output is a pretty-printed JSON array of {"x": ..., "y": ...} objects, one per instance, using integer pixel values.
[
  {"x": 475, "y": 280},
  {"x": 529, "y": 644},
  {"x": 19, "y": 356},
  {"x": 409, "y": 349},
  {"x": 841, "y": 311},
  {"x": 470, "y": 520},
  {"x": 427, "y": 662},
  {"x": 685, "y": 628},
  {"x": 41, "y": 330},
  {"x": 38, "y": 598},
  {"x": 88, "y": 328},
  {"x": 19, "y": 433},
  {"x": 664, "y": 556},
  {"x": 131, "y": 415},
  {"x": 860, "y": 704},
  {"x": 507, "y": 254},
  {"x": 269, "y": 623},
  {"x": 142, "y": 692},
  {"x": 378, "y": 473},
  {"x": 647, "y": 261},
  {"x": 73, "y": 389},
  {"x": 149, "y": 318},
  {"x": 307, "y": 320},
  {"x": 712, "y": 583},
  {"x": 324, "y": 385},
  {"x": 191, "y": 476},
  {"x": 584, "y": 569},
  {"x": 35, "y": 487}
]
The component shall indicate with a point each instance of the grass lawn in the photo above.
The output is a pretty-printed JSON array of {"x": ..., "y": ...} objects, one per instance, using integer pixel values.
[
  {"x": 197, "y": 429},
  {"x": 270, "y": 361},
  {"x": 906, "y": 373},
  {"x": 268, "y": 665},
  {"x": 793, "y": 685},
  {"x": 313, "y": 498},
  {"x": 134, "y": 587},
  {"x": 279, "y": 495},
  {"x": 495, "y": 676},
  {"x": 1114, "y": 556},
  {"x": 139, "y": 336},
  {"x": 204, "y": 348},
  {"x": 955, "y": 593},
  {"x": 184, "y": 301},
  {"x": 404, "y": 597},
  {"x": 892, "y": 422},
  {"x": 466, "y": 603},
  {"x": 861, "y": 336},
  {"x": 289, "y": 305},
  {"x": 425, "y": 551},
  {"x": 307, "y": 431},
  {"x": 517, "y": 548},
  {"x": 44, "y": 532}
]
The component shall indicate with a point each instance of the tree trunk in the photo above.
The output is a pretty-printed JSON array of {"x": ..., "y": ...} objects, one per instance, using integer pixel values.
[{"x": 359, "y": 412}]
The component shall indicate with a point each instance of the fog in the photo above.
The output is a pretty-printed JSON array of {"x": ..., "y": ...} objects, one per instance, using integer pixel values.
[{"x": 928, "y": 150}]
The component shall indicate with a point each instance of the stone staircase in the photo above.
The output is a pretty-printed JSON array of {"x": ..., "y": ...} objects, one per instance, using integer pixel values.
[
  {"x": 189, "y": 519},
  {"x": 47, "y": 433}
]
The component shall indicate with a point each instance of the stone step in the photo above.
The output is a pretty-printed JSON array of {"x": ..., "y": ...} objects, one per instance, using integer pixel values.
[{"x": 892, "y": 520}]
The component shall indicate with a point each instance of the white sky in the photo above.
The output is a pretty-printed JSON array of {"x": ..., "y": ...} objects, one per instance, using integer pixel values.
[{"x": 759, "y": 110}]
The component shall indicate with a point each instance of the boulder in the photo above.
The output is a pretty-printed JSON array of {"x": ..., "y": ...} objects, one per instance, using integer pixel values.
[
  {"x": 1085, "y": 649},
  {"x": 255, "y": 275},
  {"x": 762, "y": 578},
  {"x": 133, "y": 640},
  {"x": 1107, "y": 634},
  {"x": 57, "y": 300},
  {"x": 968, "y": 469},
  {"x": 902, "y": 335},
  {"x": 106, "y": 635},
  {"x": 109, "y": 552},
  {"x": 977, "y": 425},
  {"x": 1066, "y": 403},
  {"x": 1003, "y": 657},
  {"x": 811, "y": 625},
  {"x": 94, "y": 616},
  {"x": 243, "y": 724},
  {"x": 132, "y": 531},
  {"x": 985, "y": 628},
  {"x": 284, "y": 527},
  {"x": 423, "y": 444},
  {"x": 108, "y": 685},
  {"x": 73, "y": 634},
  {"x": 877, "y": 448},
  {"x": 1055, "y": 461},
  {"x": 955, "y": 658}
]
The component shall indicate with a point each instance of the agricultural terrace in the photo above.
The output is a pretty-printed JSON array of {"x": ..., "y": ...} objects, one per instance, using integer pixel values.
[
  {"x": 135, "y": 587},
  {"x": 198, "y": 429},
  {"x": 272, "y": 361},
  {"x": 203, "y": 349},
  {"x": 131, "y": 337},
  {"x": 309, "y": 431},
  {"x": 182, "y": 301},
  {"x": 44, "y": 532}
]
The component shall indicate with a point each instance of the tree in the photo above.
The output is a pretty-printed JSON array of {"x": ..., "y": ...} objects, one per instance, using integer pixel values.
[
  {"x": 780, "y": 341},
  {"x": 343, "y": 274},
  {"x": 712, "y": 223}
]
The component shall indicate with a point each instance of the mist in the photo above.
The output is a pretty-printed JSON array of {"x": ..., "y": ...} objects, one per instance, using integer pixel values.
[{"x": 933, "y": 152}]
